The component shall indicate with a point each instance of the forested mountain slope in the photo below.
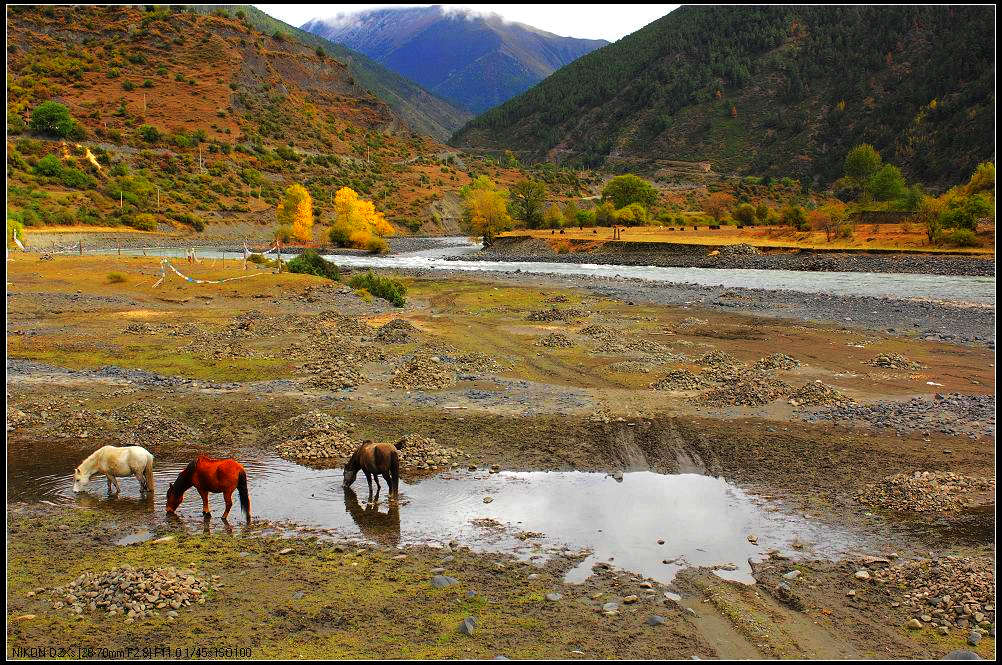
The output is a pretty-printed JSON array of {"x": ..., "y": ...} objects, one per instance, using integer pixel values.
[
  {"x": 423, "y": 111},
  {"x": 769, "y": 91}
]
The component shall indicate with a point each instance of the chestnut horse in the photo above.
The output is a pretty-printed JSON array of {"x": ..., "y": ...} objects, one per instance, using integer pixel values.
[
  {"x": 374, "y": 459},
  {"x": 207, "y": 474}
]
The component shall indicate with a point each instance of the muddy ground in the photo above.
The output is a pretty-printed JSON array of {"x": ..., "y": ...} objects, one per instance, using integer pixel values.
[{"x": 216, "y": 368}]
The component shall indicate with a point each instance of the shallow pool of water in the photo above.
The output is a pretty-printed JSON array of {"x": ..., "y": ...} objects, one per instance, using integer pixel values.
[{"x": 702, "y": 521}]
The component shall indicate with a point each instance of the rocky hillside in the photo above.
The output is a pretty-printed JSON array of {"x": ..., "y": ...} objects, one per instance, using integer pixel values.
[
  {"x": 423, "y": 112},
  {"x": 475, "y": 61},
  {"x": 782, "y": 91},
  {"x": 182, "y": 118}
]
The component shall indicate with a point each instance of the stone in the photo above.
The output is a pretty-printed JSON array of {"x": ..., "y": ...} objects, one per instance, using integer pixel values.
[
  {"x": 655, "y": 620},
  {"x": 914, "y": 624},
  {"x": 553, "y": 597},
  {"x": 442, "y": 581},
  {"x": 961, "y": 654},
  {"x": 792, "y": 575},
  {"x": 467, "y": 626},
  {"x": 974, "y": 638},
  {"x": 862, "y": 574}
]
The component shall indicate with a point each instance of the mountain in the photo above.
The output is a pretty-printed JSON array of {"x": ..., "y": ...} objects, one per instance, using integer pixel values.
[
  {"x": 782, "y": 91},
  {"x": 184, "y": 118},
  {"x": 474, "y": 61},
  {"x": 423, "y": 112}
]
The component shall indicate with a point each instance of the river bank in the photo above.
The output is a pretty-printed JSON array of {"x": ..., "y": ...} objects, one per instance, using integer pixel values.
[{"x": 681, "y": 255}]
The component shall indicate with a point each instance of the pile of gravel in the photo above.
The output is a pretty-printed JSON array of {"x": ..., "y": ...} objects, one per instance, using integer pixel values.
[
  {"x": 423, "y": 453},
  {"x": 681, "y": 379},
  {"x": 739, "y": 249},
  {"x": 596, "y": 330},
  {"x": 316, "y": 435},
  {"x": 947, "y": 593},
  {"x": 136, "y": 593},
  {"x": 777, "y": 361},
  {"x": 397, "y": 331},
  {"x": 893, "y": 361},
  {"x": 478, "y": 362},
  {"x": 951, "y": 414},
  {"x": 555, "y": 314},
  {"x": 928, "y": 491},
  {"x": 817, "y": 393},
  {"x": 332, "y": 373},
  {"x": 691, "y": 322},
  {"x": 556, "y": 340},
  {"x": 748, "y": 389},
  {"x": 423, "y": 372}
]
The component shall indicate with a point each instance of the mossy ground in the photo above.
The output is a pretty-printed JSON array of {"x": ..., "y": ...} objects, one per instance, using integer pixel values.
[{"x": 321, "y": 599}]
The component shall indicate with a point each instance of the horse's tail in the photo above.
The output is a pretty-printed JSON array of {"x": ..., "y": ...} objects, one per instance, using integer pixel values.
[
  {"x": 395, "y": 471},
  {"x": 244, "y": 494},
  {"x": 148, "y": 473},
  {"x": 401, "y": 444}
]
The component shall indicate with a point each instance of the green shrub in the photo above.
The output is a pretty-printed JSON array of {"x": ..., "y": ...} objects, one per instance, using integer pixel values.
[
  {"x": 149, "y": 133},
  {"x": 52, "y": 118},
  {"x": 115, "y": 278},
  {"x": 311, "y": 263},
  {"x": 49, "y": 166},
  {"x": 128, "y": 86},
  {"x": 71, "y": 177},
  {"x": 340, "y": 235},
  {"x": 262, "y": 260},
  {"x": 15, "y": 229},
  {"x": 377, "y": 245},
  {"x": 144, "y": 222},
  {"x": 379, "y": 286},
  {"x": 963, "y": 238}
]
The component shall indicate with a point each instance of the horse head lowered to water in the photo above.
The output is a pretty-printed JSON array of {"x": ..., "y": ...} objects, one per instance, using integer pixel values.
[
  {"x": 206, "y": 475},
  {"x": 116, "y": 462},
  {"x": 374, "y": 459}
]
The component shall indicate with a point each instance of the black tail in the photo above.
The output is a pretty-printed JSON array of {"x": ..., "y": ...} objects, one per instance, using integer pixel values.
[
  {"x": 244, "y": 494},
  {"x": 395, "y": 472}
]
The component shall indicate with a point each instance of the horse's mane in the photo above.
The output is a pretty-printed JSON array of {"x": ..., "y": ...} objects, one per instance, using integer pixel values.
[{"x": 184, "y": 478}]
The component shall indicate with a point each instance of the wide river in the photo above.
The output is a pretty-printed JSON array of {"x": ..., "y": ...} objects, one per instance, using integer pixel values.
[{"x": 959, "y": 289}]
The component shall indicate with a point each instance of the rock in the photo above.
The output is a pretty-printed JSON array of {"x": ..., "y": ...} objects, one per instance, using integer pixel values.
[
  {"x": 655, "y": 620},
  {"x": 468, "y": 625},
  {"x": 610, "y": 607},
  {"x": 792, "y": 575},
  {"x": 974, "y": 638},
  {"x": 914, "y": 624},
  {"x": 488, "y": 499},
  {"x": 752, "y": 538},
  {"x": 553, "y": 597},
  {"x": 442, "y": 581},
  {"x": 629, "y": 600},
  {"x": 961, "y": 654},
  {"x": 862, "y": 574}
]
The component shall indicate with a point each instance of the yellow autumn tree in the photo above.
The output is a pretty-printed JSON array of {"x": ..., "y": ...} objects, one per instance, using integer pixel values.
[
  {"x": 357, "y": 223},
  {"x": 295, "y": 211}
]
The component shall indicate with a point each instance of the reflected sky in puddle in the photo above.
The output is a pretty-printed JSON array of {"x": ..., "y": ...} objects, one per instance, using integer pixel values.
[{"x": 703, "y": 521}]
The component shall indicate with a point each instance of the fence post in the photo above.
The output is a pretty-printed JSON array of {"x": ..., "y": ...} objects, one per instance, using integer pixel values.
[{"x": 81, "y": 247}]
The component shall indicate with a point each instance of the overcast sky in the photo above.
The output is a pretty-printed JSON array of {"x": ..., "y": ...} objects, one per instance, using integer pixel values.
[{"x": 589, "y": 21}]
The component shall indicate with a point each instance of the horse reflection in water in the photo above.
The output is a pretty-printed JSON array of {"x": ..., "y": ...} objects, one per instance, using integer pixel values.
[
  {"x": 140, "y": 504},
  {"x": 383, "y": 528}
]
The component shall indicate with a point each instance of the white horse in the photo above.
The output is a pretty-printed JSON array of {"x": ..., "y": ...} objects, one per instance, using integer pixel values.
[{"x": 115, "y": 462}]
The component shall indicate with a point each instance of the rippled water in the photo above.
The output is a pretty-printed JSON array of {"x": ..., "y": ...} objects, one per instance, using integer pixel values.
[
  {"x": 703, "y": 521},
  {"x": 943, "y": 288}
]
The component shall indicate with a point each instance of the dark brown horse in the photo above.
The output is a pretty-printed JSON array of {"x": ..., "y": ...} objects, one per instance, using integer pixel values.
[
  {"x": 207, "y": 474},
  {"x": 374, "y": 459}
]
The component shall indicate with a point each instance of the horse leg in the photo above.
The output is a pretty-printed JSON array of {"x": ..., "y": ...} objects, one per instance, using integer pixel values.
[
  {"x": 141, "y": 479},
  {"x": 228, "y": 498},
  {"x": 113, "y": 479},
  {"x": 205, "y": 503},
  {"x": 368, "y": 479},
  {"x": 389, "y": 481}
]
